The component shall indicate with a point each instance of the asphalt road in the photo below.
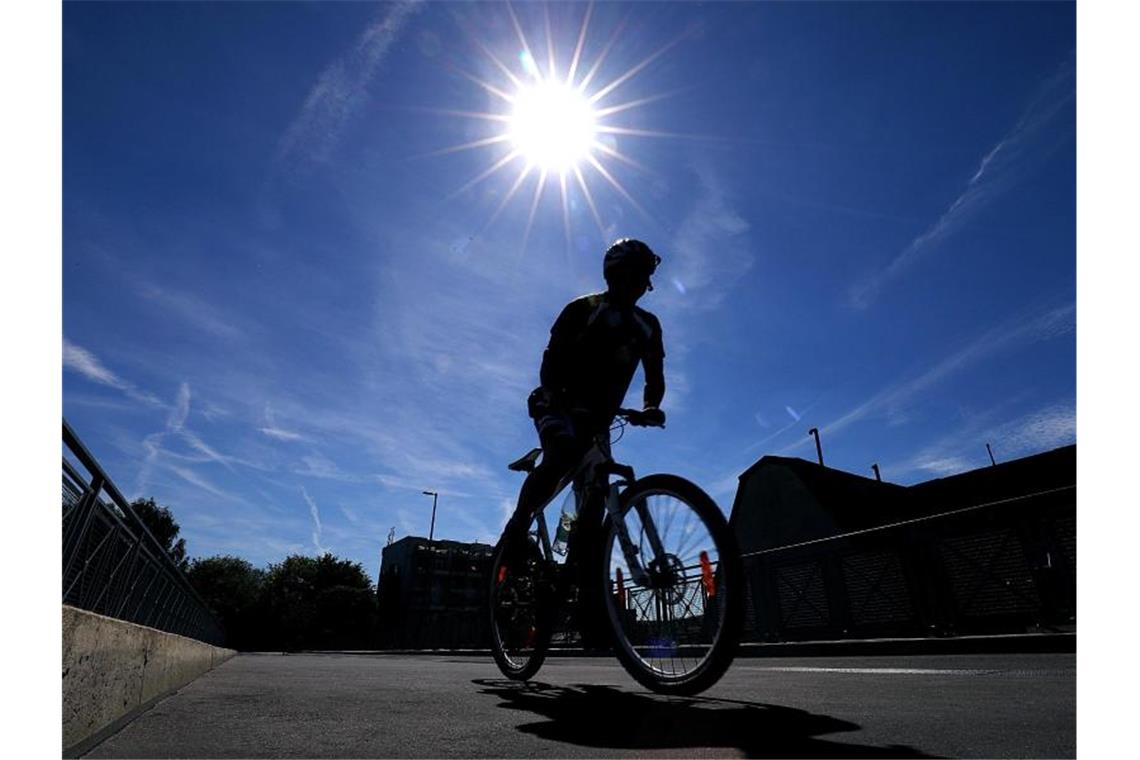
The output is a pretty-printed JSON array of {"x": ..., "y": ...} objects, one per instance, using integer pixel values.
[{"x": 345, "y": 705}]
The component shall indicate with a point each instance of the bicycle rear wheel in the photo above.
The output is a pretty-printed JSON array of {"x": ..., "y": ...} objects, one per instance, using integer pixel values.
[
  {"x": 519, "y": 611},
  {"x": 678, "y": 633}
]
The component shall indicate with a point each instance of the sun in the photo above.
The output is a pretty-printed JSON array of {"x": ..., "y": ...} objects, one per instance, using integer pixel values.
[
  {"x": 552, "y": 125},
  {"x": 555, "y": 123}
]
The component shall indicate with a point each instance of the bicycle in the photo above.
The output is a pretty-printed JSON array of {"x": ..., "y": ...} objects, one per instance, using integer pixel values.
[{"x": 669, "y": 594}]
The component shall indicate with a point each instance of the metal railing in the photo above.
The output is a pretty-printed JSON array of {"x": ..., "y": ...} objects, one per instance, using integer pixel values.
[
  {"x": 113, "y": 565},
  {"x": 1000, "y": 567}
]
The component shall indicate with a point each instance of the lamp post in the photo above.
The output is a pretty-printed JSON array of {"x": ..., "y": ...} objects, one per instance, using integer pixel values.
[
  {"x": 434, "y": 499},
  {"x": 818, "y": 448},
  {"x": 431, "y": 567}
]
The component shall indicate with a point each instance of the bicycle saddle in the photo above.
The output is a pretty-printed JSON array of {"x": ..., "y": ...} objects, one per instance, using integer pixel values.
[{"x": 526, "y": 463}]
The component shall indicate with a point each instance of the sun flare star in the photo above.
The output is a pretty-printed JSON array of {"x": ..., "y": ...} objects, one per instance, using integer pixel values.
[{"x": 555, "y": 124}]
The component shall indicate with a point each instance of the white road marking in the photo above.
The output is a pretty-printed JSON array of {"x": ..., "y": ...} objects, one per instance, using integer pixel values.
[{"x": 878, "y": 671}]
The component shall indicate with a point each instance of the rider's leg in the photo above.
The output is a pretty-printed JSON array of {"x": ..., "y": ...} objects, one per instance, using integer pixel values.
[
  {"x": 538, "y": 488},
  {"x": 581, "y": 558},
  {"x": 561, "y": 451}
]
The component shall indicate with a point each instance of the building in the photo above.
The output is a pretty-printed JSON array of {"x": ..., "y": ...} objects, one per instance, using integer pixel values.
[
  {"x": 433, "y": 594},
  {"x": 830, "y": 554}
]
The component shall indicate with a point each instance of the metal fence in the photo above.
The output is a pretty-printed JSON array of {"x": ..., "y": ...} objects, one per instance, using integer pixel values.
[
  {"x": 113, "y": 565},
  {"x": 1007, "y": 566}
]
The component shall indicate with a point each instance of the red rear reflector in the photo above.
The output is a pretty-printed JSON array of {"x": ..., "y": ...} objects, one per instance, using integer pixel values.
[
  {"x": 502, "y": 573},
  {"x": 707, "y": 577}
]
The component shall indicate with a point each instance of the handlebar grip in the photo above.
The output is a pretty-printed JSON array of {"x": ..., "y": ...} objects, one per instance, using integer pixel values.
[{"x": 637, "y": 418}]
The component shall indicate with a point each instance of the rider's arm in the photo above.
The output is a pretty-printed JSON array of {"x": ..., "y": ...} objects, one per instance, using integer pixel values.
[{"x": 654, "y": 364}]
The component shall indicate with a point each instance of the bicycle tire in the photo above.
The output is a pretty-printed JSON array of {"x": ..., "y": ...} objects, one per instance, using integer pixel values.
[
  {"x": 518, "y": 666},
  {"x": 728, "y": 613}
]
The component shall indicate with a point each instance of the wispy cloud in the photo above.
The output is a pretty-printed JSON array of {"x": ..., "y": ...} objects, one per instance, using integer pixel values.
[
  {"x": 1016, "y": 332},
  {"x": 1001, "y": 167},
  {"x": 796, "y": 417},
  {"x": 964, "y": 449},
  {"x": 152, "y": 444},
  {"x": 282, "y": 435},
  {"x": 78, "y": 359},
  {"x": 181, "y": 409},
  {"x": 271, "y": 429},
  {"x": 711, "y": 249},
  {"x": 157, "y": 452},
  {"x": 1044, "y": 429},
  {"x": 342, "y": 88},
  {"x": 709, "y": 253},
  {"x": 317, "y": 465},
  {"x": 940, "y": 467},
  {"x": 152, "y": 447},
  {"x": 201, "y": 482},
  {"x": 190, "y": 309},
  {"x": 209, "y": 452},
  {"x": 475, "y": 528},
  {"x": 315, "y": 514}
]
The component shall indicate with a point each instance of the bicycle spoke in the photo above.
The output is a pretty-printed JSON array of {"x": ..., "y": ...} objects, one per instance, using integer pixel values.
[{"x": 669, "y": 523}]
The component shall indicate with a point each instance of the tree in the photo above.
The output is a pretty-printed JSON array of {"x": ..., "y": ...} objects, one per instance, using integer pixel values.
[
  {"x": 300, "y": 603},
  {"x": 233, "y": 589},
  {"x": 160, "y": 521},
  {"x": 320, "y": 603}
]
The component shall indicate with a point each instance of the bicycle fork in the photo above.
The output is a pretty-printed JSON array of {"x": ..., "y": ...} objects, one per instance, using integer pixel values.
[{"x": 631, "y": 552}]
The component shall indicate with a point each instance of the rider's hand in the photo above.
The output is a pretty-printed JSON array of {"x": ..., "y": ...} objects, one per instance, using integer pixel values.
[{"x": 651, "y": 416}]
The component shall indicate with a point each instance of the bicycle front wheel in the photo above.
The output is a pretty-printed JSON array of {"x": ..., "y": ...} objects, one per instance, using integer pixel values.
[{"x": 676, "y": 632}]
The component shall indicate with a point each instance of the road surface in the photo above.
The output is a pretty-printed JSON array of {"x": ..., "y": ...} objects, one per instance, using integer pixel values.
[{"x": 355, "y": 705}]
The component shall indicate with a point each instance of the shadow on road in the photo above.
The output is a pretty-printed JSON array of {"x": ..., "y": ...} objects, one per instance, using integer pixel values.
[{"x": 608, "y": 718}]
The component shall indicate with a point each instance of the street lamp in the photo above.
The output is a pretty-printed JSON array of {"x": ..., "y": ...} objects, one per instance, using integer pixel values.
[
  {"x": 818, "y": 448},
  {"x": 434, "y": 499}
]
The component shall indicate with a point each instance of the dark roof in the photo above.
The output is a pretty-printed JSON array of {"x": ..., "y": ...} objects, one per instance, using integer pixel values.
[
  {"x": 1037, "y": 472},
  {"x": 439, "y": 543},
  {"x": 1017, "y": 477},
  {"x": 825, "y": 481},
  {"x": 773, "y": 510},
  {"x": 784, "y": 500}
]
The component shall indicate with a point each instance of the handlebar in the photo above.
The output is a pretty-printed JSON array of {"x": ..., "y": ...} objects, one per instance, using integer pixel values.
[{"x": 643, "y": 418}]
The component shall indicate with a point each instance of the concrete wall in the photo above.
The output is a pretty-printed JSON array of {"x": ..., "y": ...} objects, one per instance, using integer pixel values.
[{"x": 111, "y": 667}]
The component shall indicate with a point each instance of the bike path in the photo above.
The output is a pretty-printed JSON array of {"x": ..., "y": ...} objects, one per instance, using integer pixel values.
[{"x": 340, "y": 705}]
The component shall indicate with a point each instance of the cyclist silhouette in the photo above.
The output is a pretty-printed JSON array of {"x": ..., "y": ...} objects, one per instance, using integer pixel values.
[{"x": 595, "y": 346}]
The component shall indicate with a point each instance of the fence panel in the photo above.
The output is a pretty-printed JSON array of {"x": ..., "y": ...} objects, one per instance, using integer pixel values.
[
  {"x": 1007, "y": 566},
  {"x": 113, "y": 565}
]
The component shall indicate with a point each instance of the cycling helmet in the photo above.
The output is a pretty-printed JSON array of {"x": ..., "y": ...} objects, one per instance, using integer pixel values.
[{"x": 628, "y": 254}]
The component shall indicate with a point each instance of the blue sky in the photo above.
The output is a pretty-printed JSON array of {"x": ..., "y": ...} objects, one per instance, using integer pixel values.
[{"x": 287, "y": 310}]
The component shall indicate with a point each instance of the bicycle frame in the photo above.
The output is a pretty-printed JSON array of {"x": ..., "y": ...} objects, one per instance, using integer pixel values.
[{"x": 592, "y": 476}]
